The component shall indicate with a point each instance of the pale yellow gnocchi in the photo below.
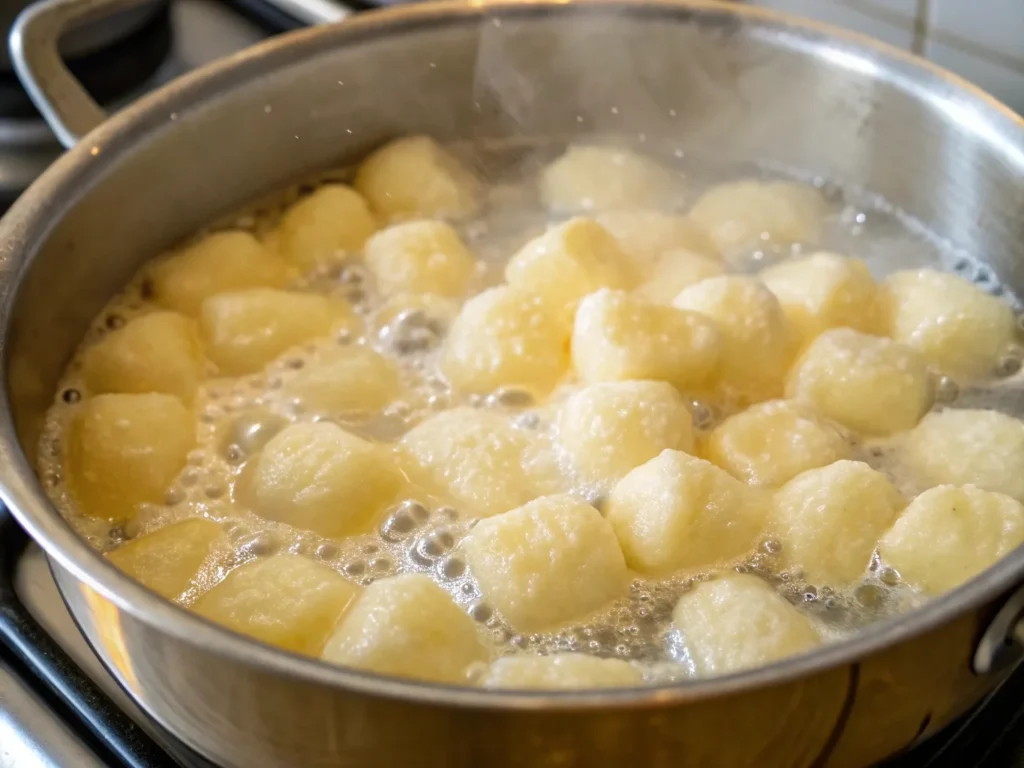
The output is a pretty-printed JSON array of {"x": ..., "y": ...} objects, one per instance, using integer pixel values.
[
  {"x": 539, "y": 417},
  {"x": 125, "y": 450},
  {"x": 415, "y": 177},
  {"x": 218, "y": 263},
  {"x": 757, "y": 343},
  {"x": 323, "y": 227},
  {"x": 967, "y": 447},
  {"x": 955, "y": 326},
  {"x": 949, "y": 534},
  {"x": 547, "y": 563},
  {"x": 770, "y": 443},
  {"x": 244, "y": 331},
  {"x": 618, "y": 336},
  {"x": 679, "y": 512},
  {"x": 285, "y": 600},
  {"x": 318, "y": 477},
  {"x": 646, "y": 235},
  {"x": 825, "y": 290},
  {"x": 748, "y": 214},
  {"x": 422, "y": 256},
  {"x": 168, "y": 559},
  {"x": 607, "y": 429},
  {"x": 569, "y": 261},
  {"x": 158, "y": 352},
  {"x": 505, "y": 337},
  {"x": 870, "y": 385},
  {"x": 594, "y": 178},
  {"x": 828, "y": 520},
  {"x": 407, "y": 625},
  {"x": 345, "y": 379},
  {"x": 560, "y": 671},
  {"x": 737, "y": 622},
  {"x": 676, "y": 270},
  {"x": 475, "y": 459}
]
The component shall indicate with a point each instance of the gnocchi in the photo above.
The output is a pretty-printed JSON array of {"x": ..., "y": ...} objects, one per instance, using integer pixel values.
[
  {"x": 617, "y": 336},
  {"x": 770, "y": 443},
  {"x": 476, "y": 459},
  {"x": 158, "y": 352},
  {"x": 607, "y": 429},
  {"x": 868, "y": 384},
  {"x": 244, "y": 331},
  {"x": 167, "y": 559},
  {"x": 589, "y": 178},
  {"x": 420, "y": 257},
  {"x": 756, "y": 340},
  {"x": 676, "y": 270},
  {"x": 736, "y": 622},
  {"x": 829, "y": 519},
  {"x": 124, "y": 451},
  {"x": 505, "y": 337},
  {"x": 560, "y": 671},
  {"x": 748, "y": 214},
  {"x": 569, "y": 261},
  {"x": 219, "y": 263},
  {"x": 415, "y": 177},
  {"x": 955, "y": 326},
  {"x": 647, "y": 235},
  {"x": 679, "y": 512},
  {"x": 406, "y": 625},
  {"x": 323, "y": 227},
  {"x": 825, "y": 290},
  {"x": 949, "y": 534},
  {"x": 318, "y": 477},
  {"x": 547, "y": 562},
  {"x": 967, "y": 447},
  {"x": 286, "y": 600},
  {"x": 352, "y": 378},
  {"x": 555, "y": 432}
]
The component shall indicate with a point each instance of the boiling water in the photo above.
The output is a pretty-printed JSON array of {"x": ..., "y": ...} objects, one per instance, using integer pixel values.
[{"x": 423, "y": 534}]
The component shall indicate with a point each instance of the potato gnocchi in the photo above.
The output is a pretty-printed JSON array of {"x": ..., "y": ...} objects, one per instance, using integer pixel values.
[{"x": 563, "y": 431}]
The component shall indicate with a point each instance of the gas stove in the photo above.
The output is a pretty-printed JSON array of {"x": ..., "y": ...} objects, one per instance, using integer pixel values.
[{"x": 58, "y": 705}]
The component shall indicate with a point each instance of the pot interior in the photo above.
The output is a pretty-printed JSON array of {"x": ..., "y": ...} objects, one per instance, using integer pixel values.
[{"x": 677, "y": 79}]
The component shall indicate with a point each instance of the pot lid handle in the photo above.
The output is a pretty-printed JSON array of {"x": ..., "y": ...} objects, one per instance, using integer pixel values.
[{"x": 62, "y": 101}]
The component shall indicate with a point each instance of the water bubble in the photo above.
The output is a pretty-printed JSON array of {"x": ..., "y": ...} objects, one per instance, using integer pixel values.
[
  {"x": 258, "y": 545},
  {"x": 447, "y": 513},
  {"x": 114, "y": 322},
  {"x": 249, "y": 432},
  {"x": 810, "y": 594},
  {"x": 946, "y": 390},
  {"x": 326, "y": 552},
  {"x": 355, "y": 568},
  {"x": 71, "y": 396},
  {"x": 1009, "y": 364},
  {"x": 215, "y": 491},
  {"x": 175, "y": 495},
  {"x": 510, "y": 398},
  {"x": 527, "y": 420},
  {"x": 703, "y": 415},
  {"x": 771, "y": 546},
  {"x": 453, "y": 568},
  {"x": 467, "y": 589},
  {"x": 480, "y": 612},
  {"x": 869, "y": 595},
  {"x": 889, "y": 576},
  {"x": 380, "y": 564}
]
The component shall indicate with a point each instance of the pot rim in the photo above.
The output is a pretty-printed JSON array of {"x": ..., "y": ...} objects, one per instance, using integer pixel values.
[{"x": 27, "y": 225}]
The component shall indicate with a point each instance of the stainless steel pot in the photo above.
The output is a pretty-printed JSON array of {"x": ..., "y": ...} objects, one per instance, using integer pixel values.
[{"x": 691, "y": 74}]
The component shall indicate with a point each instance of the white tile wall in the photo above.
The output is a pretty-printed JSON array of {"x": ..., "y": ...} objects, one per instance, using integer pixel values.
[{"x": 981, "y": 40}]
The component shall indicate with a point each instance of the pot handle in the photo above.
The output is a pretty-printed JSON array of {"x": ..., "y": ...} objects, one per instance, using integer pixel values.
[
  {"x": 62, "y": 101},
  {"x": 1001, "y": 645}
]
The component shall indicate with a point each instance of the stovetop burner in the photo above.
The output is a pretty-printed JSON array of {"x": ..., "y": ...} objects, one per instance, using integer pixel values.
[{"x": 58, "y": 706}]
